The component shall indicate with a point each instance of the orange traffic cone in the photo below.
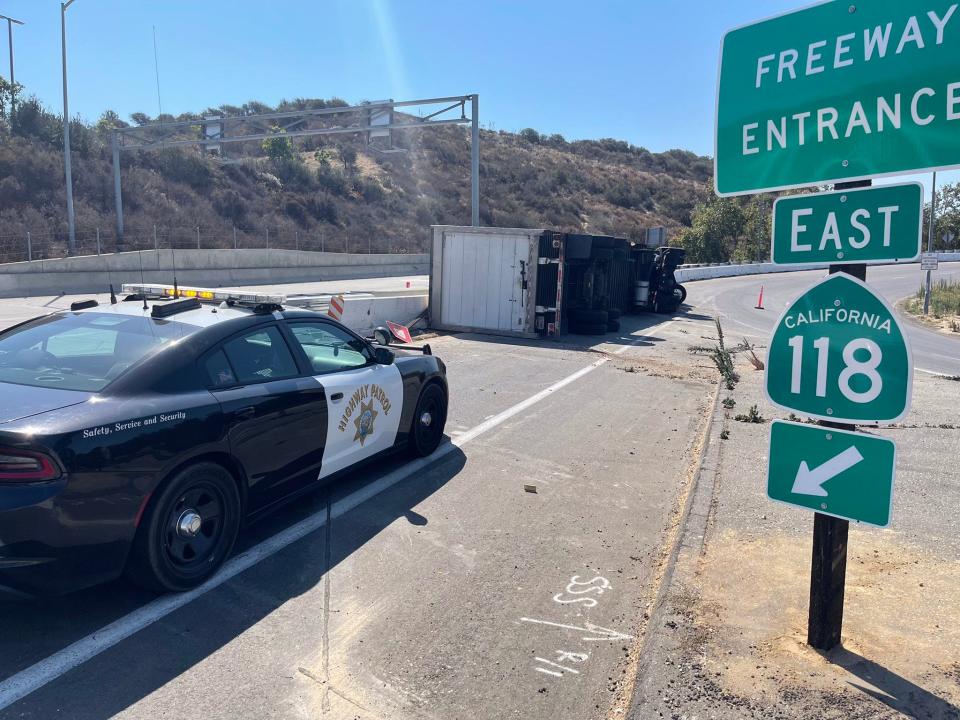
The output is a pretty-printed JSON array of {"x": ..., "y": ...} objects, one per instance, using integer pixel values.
[{"x": 760, "y": 300}]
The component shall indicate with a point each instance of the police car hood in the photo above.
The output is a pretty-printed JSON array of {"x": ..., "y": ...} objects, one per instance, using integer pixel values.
[{"x": 23, "y": 401}]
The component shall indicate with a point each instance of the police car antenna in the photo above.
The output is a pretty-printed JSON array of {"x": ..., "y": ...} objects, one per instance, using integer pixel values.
[
  {"x": 176, "y": 290},
  {"x": 140, "y": 255},
  {"x": 113, "y": 295}
]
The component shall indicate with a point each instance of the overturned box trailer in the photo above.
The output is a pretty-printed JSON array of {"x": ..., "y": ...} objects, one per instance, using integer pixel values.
[{"x": 542, "y": 283}]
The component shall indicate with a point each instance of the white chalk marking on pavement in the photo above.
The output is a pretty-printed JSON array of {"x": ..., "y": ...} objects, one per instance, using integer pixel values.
[
  {"x": 45, "y": 671},
  {"x": 562, "y": 668},
  {"x": 549, "y": 672},
  {"x": 589, "y": 628}
]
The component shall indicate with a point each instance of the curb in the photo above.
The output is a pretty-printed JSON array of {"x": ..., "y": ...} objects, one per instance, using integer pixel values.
[
  {"x": 689, "y": 546},
  {"x": 683, "y": 512}
]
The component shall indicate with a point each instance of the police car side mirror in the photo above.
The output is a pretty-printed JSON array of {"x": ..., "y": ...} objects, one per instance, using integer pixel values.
[{"x": 383, "y": 356}]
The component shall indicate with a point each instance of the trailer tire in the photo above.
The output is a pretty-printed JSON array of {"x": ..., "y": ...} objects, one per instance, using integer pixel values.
[
  {"x": 589, "y": 328},
  {"x": 586, "y": 316},
  {"x": 613, "y": 326}
]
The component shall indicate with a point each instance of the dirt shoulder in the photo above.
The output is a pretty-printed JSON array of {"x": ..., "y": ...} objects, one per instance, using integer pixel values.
[{"x": 730, "y": 641}]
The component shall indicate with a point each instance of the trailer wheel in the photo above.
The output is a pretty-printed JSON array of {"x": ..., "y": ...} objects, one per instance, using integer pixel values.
[
  {"x": 586, "y": 316},
  {"x": 589, "y": 328},
  {"x": 381, "y": 336}
]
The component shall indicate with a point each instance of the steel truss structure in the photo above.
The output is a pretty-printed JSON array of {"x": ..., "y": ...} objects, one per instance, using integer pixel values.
[{"x": 212, "y": 132}]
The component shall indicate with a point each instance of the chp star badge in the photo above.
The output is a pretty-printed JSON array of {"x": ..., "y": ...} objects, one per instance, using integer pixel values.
[{"x": 364, "y": 422}]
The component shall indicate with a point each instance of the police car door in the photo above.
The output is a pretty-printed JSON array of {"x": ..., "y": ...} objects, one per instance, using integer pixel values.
[{"x": 364, "y": 398}]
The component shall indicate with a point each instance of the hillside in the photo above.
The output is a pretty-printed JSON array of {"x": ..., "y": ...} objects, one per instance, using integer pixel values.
[{"x": 331, "y": 192}]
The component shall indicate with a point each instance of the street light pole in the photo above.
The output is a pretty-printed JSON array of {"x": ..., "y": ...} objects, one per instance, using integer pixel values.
[
  {"x": 72, "y": 241},
  {"x": 10, "y": 24},
  {"x": 932, "y": 228}
]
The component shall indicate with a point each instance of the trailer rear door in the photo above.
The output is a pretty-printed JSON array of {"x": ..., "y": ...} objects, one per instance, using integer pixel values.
[{"x": 482, "y": 281}]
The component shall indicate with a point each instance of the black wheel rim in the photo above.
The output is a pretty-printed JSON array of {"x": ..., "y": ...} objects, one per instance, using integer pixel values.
[
  {"x": 184, "y": 548},
  {"x": 428, "y": 432}
]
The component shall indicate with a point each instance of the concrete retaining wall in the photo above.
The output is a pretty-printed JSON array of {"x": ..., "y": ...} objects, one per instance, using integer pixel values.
[
  {"x": 690, "y": 273},
  {"x": 210, "y": 268}
]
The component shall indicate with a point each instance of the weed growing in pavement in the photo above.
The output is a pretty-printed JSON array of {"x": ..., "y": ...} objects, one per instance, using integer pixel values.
[
  {"x": 724, "y": 360},
  {"x": 754, "y": 360},
  {"x": 729, "y": 403},
  {"x": 725, "y": 435},
  {"x": 751, "y": 416}
]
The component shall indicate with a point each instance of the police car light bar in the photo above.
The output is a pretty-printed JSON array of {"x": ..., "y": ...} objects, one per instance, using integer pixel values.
[{"x": 202, "y": 294}]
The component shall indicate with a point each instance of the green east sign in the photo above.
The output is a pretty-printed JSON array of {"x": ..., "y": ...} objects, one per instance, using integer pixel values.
[
  {"x": 883, "y": 223},
  {"x": 839, "y": 354},
  {"x": 847, "y": 475},
  {"x": 838, "y": 91}
]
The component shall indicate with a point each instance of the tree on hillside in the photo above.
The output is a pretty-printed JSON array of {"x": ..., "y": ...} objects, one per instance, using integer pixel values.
[
  {"x": 278, "y": 147},
  {"x": 8, "y": 99},
  {"x": 718, "y": 225},
  {"x": 349, "y": 157},
  {"x": 109, "y": 121},
  {"x": 948, "y": 218}
]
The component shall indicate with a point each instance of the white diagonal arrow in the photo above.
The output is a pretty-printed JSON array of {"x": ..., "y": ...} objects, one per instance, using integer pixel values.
[{"x": 810, "y": 482}]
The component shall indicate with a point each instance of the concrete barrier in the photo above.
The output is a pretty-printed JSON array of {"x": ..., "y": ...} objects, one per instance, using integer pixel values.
[
  {"x": 691, "y": 273},
  {"x": 211, "y": 268},
  {"x": 364, "y": 314}
]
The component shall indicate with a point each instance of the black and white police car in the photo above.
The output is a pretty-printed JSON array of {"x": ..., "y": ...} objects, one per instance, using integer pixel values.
[{"x": 138, "y": 437}]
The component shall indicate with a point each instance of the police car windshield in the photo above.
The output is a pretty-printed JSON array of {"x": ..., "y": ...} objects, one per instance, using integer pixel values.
[{"x": 82, "y": 351}]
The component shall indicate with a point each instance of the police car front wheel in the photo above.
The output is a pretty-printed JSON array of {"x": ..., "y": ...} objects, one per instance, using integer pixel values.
[
  {"x": 428, "y": 421},
  {"x": 188, "y": 530}
]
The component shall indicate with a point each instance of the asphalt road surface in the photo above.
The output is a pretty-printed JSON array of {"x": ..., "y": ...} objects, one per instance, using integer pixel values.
[
  {"x": 437, "y": 589},
  {"x": 734, "y": 299}
]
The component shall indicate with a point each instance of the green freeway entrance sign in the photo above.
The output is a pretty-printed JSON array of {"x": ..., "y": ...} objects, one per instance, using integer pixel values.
[
  {"x": 839, "y": 354},
  {"x": 849, "y": 226},
  {"x": 845, "y": 474},
  {"x": 839, "y": 91}
]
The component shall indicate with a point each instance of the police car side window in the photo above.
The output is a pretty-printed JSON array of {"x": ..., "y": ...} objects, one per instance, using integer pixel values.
[
  {"x": 260, "y": 356},
  {"x": 219, "y": 372},
  {"x": 328, "y": 348}
]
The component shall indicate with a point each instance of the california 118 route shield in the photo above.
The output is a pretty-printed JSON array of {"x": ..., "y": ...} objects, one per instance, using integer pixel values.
[{"x": 839, "y": 354}]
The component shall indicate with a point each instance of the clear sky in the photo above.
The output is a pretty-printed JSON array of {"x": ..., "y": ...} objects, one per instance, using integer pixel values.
[{"x": 638, "y": 70}]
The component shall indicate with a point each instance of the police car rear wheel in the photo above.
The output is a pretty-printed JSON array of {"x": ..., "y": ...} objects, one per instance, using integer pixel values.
[
  {"x": 188, "y": 530},
  {"x": 428, "y": 421}
]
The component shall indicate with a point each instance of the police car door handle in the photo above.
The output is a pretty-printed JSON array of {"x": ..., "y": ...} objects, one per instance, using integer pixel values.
[
  {"x": 336, "y": 397},
  {"x": 247, "y": 412}
]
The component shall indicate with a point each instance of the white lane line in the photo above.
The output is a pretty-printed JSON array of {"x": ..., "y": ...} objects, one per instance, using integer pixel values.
[{"x": 33, "y": 678}]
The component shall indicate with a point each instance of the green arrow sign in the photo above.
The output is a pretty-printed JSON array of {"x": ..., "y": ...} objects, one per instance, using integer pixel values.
[
  {"x": 845, "y": 474},
  {"x": 850, "y": 226},
  {"x": 838, "y": 91},
  {"x": 839, "y": 354}
]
